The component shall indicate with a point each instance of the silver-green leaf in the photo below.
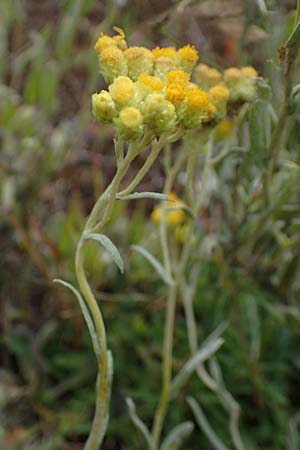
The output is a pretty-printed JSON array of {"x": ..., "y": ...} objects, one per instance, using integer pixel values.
[
  {"x": 109, "y": 246},
  {"x": 154, "y": 263},
  {"x": 140, "y": 195}
]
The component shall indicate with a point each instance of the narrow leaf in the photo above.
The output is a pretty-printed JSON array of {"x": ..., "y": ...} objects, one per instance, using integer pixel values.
[
  {"x": 109, "y": 246},
  {"x": 154, "y": 263},
  {"x": 205, "y": 426},
  {"x": 139, "y": 195},
  {"x": 85, "y": 312},
  {"x": 176, "y": 437},
  {"x": 203, "y": 354},
  {"x": 139, "y": 424}
]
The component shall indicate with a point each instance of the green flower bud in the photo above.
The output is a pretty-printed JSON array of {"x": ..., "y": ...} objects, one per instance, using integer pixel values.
[
  {"x": 103, "y": 107},
  {"x": 130, "y": 123},
  {"x": 139, "y": 60},
  {"x": 159, "y": 113},
  {"x": 112, "y": 63}
]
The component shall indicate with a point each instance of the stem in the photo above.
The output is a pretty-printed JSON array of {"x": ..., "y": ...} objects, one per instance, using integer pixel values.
[
  {"x": 156, "y": 148},
  {"x": 106, "y": 200},
  {"x": 167, "y": 366},
  {"x": 273, "y": 149}
]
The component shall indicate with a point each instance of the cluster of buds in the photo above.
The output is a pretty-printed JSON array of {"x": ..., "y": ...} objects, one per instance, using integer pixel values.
[
  {"x": 152, "y": 89},
  {"x": 241, "y": 83}
]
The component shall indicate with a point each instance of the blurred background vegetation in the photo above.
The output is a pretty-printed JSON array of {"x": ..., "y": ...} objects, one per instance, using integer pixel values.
[{"x": 55, "y": 160}]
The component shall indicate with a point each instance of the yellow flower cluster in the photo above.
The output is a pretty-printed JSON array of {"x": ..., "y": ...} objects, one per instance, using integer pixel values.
[
  {"x": 175, "y": 215},
  {"x": 241, "y": 83},
  {"x": 155, "y": 88}
]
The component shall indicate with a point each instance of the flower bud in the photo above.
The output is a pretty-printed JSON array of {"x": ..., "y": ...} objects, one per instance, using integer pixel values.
[
  {"x": 241, "y": 83},
  {"x": 139, "y": 59},
  {"x": 165, "y": 60},
  {"x": 148, "y": 84},
  {"x": 103, "y": 107},
  {"x": 159, "y": 113},
  {"x": 130, "y": 123},
  {"x": 112, "y": 63},
  {"x": 122, "y": 90},
  {"x": 219, "y": 96},
  {"x": 206, "y": 77},
  {"x": 223, "y": 130}
]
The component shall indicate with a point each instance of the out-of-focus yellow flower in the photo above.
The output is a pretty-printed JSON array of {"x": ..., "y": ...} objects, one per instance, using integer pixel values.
[
  {"x": 241, "y": 83},
  {"x": 139, "y": 59},
  {"x": 206, "y": 77},
  {"x": 232, "y": 74},
  {"x": 174, "y": 217},
  {"x": 122, "y": 90},
  {"x": 249, "y": 72},
  {"x": 219, "y": 95},
  {"x": 224, "y": 129}
]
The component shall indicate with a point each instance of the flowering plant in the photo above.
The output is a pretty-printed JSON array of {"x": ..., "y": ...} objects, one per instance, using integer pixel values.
[{"x": 156, "y": 98}]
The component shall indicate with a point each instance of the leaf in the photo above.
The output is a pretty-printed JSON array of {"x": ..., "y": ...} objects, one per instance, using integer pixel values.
[
  {"x": 154, "y": 263},
  {"x": 109, "y": 246},
  {"x": 139, "y": 195},
  {"x": 205, "y": 426},
  {"x": 85, "y": 312},
  {"x": 294, "y": 37},
  {"x": 204, "y": 353},
  {"x": 176, "y": 437},
  {"x": 139, "y": 424}
]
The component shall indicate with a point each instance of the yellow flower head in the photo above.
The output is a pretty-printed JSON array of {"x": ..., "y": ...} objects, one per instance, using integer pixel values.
[
  {"x": 197, "y": 99},
  {"x": 224, "y": 129},
  {"x": 178, "y": 76},
  {"x": 232, "y": 74},
  {"x": 112, "y": 63},
  {"x": 175, "y": 93},
  {"x": 159, "y": 114},
  {"x": 103, "y": 42},
  {"x": 122, "y": 90},
  {"x": 139, "y": 59},
  {"x": 131, "y": 117},
  {"x": 164, "y": 52},
  {"x": 111, "y": 54},
  {"x": 151, "y": 82},
  {"x": 189, "y": 53},
  {"x": 219, "y": 93},
  {"x": 249, "y": 72}
]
